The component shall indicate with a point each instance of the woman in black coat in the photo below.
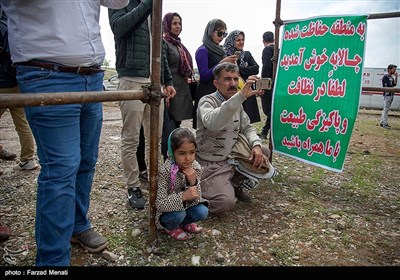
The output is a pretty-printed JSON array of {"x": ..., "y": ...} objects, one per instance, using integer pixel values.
[{"x": 234, "y": 44}]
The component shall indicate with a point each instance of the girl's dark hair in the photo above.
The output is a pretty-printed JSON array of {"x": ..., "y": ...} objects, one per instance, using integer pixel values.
[{"x": 180, "y": 136}]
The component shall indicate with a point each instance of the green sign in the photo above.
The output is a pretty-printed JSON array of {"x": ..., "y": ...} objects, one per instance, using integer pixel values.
[{"x": 317, "y": 88}]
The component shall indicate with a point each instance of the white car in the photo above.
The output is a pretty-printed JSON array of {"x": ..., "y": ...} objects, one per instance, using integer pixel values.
[{"x": 111, "y": 83}]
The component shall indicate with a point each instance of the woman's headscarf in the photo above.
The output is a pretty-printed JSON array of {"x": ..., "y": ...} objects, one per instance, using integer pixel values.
[
  {"x": 208, "y": 42},
  {"x": 185, "y": 59},
  {"x": 229, "y": 46}
]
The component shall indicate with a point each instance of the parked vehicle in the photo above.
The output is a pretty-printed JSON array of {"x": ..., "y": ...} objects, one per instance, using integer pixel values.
[
  {"x": 372, "y": 77},
  {"x": 111, "y": 83}
]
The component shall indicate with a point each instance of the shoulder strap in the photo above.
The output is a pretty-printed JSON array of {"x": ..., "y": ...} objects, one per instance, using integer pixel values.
[
  {"x": 3, "y": 17},
  {"x": 3, "y": 32}
]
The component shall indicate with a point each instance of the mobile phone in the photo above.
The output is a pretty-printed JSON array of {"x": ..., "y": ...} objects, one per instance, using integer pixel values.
[{"x": 263, "y": 83}]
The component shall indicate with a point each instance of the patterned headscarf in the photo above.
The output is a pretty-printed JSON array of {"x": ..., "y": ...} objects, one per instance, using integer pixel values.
[
  {"x": 229, "y": 46},
  {"x": 208, "y": 42},
  {"x": 185, "y": 59}
]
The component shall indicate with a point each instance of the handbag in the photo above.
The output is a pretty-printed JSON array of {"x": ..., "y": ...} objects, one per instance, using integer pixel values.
[{"x": 193, "y": 84}]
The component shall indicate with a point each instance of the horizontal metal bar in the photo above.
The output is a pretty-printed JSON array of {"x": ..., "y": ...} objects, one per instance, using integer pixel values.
[
  {"x": 384, "y": 15},
  {"x": 59, "y": 98},
  {"x": 381, "y": 89}
]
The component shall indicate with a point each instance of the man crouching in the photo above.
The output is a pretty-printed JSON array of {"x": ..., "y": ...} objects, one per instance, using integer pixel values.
[{"x": 220, "y": 119}]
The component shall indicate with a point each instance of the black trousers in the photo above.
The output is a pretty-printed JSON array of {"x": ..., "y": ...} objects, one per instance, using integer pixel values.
[
  {"x": 140, "y": 151},
  {"x": 266, "y": 102}
]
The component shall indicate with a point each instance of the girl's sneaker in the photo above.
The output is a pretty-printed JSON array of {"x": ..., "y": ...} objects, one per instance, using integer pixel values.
[
  {"x": 192, "y": 228},
  {"x": 177, "y": 234}
]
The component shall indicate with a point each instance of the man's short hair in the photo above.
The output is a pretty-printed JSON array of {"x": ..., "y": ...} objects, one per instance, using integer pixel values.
[
  {"x": 391, "y": 66},
  {"x": 268, "y": 37},
  {"x": 227, "y": 66}
]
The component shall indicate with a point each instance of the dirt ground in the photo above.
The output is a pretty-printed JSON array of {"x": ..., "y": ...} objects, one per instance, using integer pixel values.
[{"x": 307, "y": 217}]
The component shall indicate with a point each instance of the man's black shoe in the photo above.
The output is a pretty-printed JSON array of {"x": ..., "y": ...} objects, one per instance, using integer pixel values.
[
  {"x": 385, "y": 125},
  {"x": 262, "y": 135},
  {"x": 136, "y": 199},
  {"x": 241, "y": 195}
]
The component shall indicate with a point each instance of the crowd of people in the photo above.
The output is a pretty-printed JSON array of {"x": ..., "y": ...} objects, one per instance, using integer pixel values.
[
  {"x": 200, "y": 173},
  {"x": 67, "y": 136},
  {"x": 179, "y": 194}
]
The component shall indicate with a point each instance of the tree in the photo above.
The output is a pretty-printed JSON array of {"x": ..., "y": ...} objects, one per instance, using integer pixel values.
[{"x": 106, "y": 63}]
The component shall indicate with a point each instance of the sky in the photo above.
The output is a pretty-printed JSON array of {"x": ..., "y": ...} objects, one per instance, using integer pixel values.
[{"x": 254, "y": 17}]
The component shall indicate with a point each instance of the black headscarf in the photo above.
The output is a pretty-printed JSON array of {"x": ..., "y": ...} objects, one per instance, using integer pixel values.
[{"x": 208, "y": 42}]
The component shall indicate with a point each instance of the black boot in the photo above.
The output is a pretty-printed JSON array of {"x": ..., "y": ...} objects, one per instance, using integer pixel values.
[{"x": 241, "y": 195}]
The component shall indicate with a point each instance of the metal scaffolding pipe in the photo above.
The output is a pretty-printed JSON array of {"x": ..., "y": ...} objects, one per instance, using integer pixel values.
[
  {"x": 384, "y": 15},
  {"x": 59, "y": 98},
  {"x": 381, "y": 89},
  {"x": 155, "y": 111},
  {"x": 277, "y": 22}
]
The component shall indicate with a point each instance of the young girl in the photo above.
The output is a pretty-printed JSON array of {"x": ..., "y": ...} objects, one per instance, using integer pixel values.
[{"x": 179, "y": 202}]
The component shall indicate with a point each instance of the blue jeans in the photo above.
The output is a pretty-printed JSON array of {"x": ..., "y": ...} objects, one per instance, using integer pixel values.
[
  {"x": 387, "y": 102},
  {"x": 172, "y": 220},
  {"x": 67, "y": 140}
]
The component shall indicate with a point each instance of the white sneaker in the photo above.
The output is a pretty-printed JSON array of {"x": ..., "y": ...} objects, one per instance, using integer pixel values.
[{"x": 27, "y": 165}]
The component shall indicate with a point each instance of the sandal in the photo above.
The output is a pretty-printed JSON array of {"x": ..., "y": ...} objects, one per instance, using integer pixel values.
[
  {"x": 4, "y": 232},
  {"x": 192, "y": 228},
  {"x": 177, "y": 234}
]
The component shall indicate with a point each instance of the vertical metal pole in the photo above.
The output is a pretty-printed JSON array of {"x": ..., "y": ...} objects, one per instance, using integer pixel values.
[
  {"x": 155, "y": 108},
  {"x": 277, "y": 23}
]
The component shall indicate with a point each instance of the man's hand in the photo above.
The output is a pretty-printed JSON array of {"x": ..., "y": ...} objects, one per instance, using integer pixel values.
[
  {"x": 258, "y": 157},
  {"x": 170, "y": 92},
  {"x": 247, "y": 90},
  {"x": 231, "y": 59}
]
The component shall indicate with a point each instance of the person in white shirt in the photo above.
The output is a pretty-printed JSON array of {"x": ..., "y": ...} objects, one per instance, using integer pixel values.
[{"x": 57, "y": 47}]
